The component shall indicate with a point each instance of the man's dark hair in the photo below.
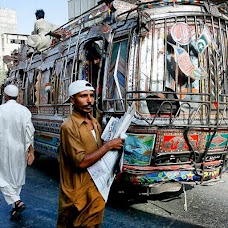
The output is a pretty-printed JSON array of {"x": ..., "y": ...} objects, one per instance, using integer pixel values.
[
  {"x": 12, "y": 98},
  {"x": 40, "y": 13}
]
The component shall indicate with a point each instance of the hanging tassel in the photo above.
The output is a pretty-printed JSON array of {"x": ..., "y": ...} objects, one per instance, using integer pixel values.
[
  {"x": 185, "y": 199},
  {"x": 109, "y": 9}
]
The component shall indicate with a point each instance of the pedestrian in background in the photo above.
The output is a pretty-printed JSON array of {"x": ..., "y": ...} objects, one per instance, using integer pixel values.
[
  {"x": 16, "y": 150},
  {"x": 80, "y": 202}
]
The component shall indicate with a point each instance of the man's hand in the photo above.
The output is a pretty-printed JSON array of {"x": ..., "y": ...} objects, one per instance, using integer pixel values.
[
  {"x": 30, "y": 155},
  {"x": 116, "y": 144},
  {"x": 91, "y": 158},
  {"x": 30, "y": 158}
]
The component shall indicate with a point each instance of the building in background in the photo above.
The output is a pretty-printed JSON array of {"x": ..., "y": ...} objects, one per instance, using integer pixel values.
[
  {"x": 8, "y": 21},
  {"x": 9, "y": 39},
  {"x": 77, "y": 7}
]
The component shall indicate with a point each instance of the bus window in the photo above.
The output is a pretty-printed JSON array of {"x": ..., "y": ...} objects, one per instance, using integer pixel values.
[
  {"x": 91, "y": 66},
  {"x": 90, "y": 55},
  {"x": 57, "y": 76},
  {"x": 65, "y": 81},
  {"x": 116, "y": 81},
  {"x": 160, "y": 78},
  {"x": 30, "y": 87},
  {"x": 45, "y": 88}
]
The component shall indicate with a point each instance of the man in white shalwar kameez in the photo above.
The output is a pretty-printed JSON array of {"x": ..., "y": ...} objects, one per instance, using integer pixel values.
[
  {"x": 38, "y": 40},
  {"x": 16, "y": 151}
]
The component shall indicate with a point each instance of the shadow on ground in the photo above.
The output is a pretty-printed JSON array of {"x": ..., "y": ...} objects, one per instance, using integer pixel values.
[
  {"x": 127, "y": 196},
  {"x": 40, "y": 195}
]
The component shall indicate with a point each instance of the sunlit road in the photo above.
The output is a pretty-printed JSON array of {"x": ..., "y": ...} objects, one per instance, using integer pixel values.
[{"x": 207, "y": 206}]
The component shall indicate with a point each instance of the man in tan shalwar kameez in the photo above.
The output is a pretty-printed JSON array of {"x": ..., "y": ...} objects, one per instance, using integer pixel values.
[{"x": 80, "y": 202}]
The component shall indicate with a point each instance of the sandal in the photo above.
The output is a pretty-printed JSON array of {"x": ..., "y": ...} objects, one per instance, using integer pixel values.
[{"x": 16, "y": 212}]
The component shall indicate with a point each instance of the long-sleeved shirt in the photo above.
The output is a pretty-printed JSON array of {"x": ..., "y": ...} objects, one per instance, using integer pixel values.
[
  {"x": 79, "y": 199},
  {"x": 16, "y": 134}
]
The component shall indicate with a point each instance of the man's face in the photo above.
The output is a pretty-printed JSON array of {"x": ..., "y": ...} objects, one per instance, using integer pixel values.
[{"x": 83, "y": 101}]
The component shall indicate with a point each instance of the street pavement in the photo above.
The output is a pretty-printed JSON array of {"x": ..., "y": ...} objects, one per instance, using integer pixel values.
[
  {"x": 40, "y": 194},
  {"x": 207, "y": 206}
]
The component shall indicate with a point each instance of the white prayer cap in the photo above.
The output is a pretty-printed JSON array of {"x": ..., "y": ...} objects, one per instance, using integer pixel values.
[
  {"x": 79, "y": 86},
  {"x": 11, "y": 90}
]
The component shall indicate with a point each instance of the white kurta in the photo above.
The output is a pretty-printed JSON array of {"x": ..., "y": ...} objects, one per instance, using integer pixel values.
[
  {"x": 16, "y": 134},
  {"x": 38, "y": 39}
]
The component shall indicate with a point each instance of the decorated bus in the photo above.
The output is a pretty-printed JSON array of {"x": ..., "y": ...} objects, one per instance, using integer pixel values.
[{"x": 168, "y": 57}]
